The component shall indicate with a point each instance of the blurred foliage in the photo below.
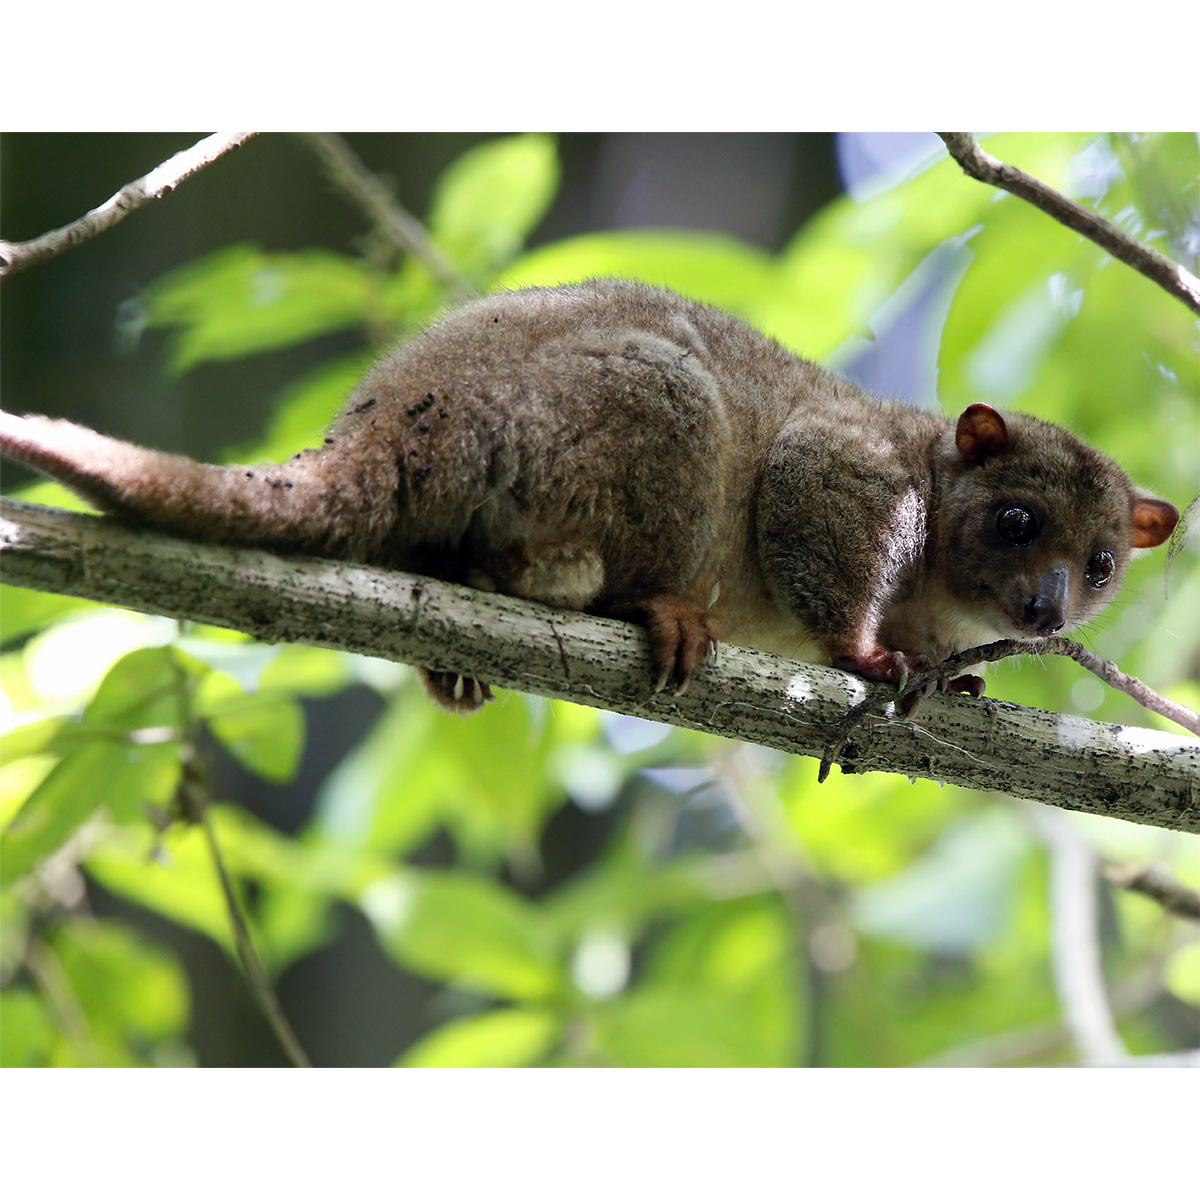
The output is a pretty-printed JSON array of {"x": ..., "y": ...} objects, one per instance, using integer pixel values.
[{"x": 731, "y": 912}]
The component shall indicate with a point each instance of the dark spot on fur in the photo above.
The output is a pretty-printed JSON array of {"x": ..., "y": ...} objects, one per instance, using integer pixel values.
[
  {"x": 421, "y": 472},
  {"x": 414, "y": 453},
  {"x": 366, "y": 404},
  {"x": 424, "y": 426},
  {"x": 329, "y": 441},
  {"x": 249, "y": 474},
  {"x": 443, "y": 413},
  {"x": 412, "y": 409}
]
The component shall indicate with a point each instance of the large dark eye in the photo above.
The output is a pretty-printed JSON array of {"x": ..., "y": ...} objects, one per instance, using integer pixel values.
[
  {"x": 1099, "y": 569},
  {"x": 1016, "y": 525}
]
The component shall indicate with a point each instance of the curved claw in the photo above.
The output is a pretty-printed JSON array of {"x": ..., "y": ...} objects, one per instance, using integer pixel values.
[{"x": 455, "y": 692}]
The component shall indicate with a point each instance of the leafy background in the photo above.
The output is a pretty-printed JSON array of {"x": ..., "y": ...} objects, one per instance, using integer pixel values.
[{"x": 544, "y": 884}]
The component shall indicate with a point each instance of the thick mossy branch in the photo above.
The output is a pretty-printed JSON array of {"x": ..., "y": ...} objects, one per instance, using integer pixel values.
[{"x": 1136, "y": 774}]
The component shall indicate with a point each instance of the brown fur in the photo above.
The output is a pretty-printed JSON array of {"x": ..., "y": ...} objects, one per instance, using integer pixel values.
[{"x": 613, "y": 447}]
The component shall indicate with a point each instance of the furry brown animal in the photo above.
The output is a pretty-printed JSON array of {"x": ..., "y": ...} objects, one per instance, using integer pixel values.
[{"x": 614, "y": 447}]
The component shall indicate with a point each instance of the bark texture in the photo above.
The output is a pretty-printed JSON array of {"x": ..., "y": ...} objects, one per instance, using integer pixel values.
[{"x": 1072, "y": 762}]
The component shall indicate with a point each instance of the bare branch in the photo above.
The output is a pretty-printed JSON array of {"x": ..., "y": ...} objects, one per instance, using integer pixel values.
[
  {"x": 347, "y": 171},
  {"x": 1137, "y": 774},
  {"x": 1109, "y": 672},
  {"x": 18, "y": 256},
  {"x": 981, "y": 165},
  {"x": 1156, "y": 883}
]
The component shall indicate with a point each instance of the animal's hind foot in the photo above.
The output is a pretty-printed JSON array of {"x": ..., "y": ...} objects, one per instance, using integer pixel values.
[{"x": 455, "y": 692}]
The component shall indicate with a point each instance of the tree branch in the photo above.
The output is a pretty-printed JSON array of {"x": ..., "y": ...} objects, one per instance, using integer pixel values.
[
  {"x": 1137, "y": 774},
  {"x": 981, "y": 165},
  {"x": 1156, "y": 883},
  {"x": 347, "y": 172},
  {"x": 18, "y": 256}
]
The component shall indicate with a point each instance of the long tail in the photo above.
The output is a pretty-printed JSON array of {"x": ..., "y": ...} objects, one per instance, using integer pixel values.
[{"x": 286, "y": 506}]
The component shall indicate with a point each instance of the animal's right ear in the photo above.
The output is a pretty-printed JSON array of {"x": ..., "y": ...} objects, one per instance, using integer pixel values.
[
  {"x": 1153, "y": 520},
  {"x": 981, "y": 433}
]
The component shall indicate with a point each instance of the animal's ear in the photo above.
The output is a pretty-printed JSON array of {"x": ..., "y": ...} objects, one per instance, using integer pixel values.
[
  {"x": 1153, "y": 520},
  {"x": 981, "y": 433}
]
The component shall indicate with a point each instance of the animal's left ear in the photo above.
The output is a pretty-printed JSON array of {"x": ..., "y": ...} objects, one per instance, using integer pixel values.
[
  {"x": 1153, "y": 520},
  {"x": 981, "y": 432}
]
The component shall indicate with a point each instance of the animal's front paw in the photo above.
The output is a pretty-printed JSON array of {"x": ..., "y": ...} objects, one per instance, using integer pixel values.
[{"x": 883, "y": 666}]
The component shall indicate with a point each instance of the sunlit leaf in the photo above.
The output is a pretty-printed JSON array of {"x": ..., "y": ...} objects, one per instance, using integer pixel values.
[
  {"x": 117, "y": 776},
  {"x": 263, "y": 731},
  {"x": 491, "y": 198},
  {"x": 241, "y": 300},
  {"x": 711, "y": 268},
  {"x": 673, "y": 1026},
  {"x": 22, "y": 610},
  {"x": 1182, "y": 974},
  {"x": 26, "y": 1028},
  {"x": 510, "y": 1037},
  {"x": 142, "y": 690},
  {"x": 465, "y": 930},
  {"x": 178, "y": 881},
  {"x": 121, "y": 981}
]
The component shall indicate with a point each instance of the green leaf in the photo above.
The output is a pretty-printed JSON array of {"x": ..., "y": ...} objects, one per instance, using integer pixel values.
[
  {"x": 242, "y": 300},
  {"x": 119, "y": 777},
  {"x": 124, "y": 984},
  {"x": 485, "y": 779},
  {"x": 625, "y": 893},
  {"x": 172, "y": 875},
  {"x": 708, "y": 267},
  {"x": 24, "y": 611},
  {"x": 26, "y": 1029},
  {"x": 510, "y": 1037},
  {"x": 31, "y": 737},
  {"x": 263, "y": 731},
  {"x": 491, "y": 198},
  {"x": 849, "y": 259},
  {"x": 672, "y": 1026},
  {"x": 465, "y": 930},
  {"x": 1182, "y": 974},
  {"x": 142, "y": 690}
]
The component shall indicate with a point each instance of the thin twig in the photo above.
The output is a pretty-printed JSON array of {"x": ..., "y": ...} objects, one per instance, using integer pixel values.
[
  {"x": 256, "y": 974},
  {"x": 981, "y": 165},
  {"x": 193, "y": 801},
  {"x": 1157, "y": 883},
  {"x": 347, "y": 172},
  {"x": 18, "y": 256},
  {"x": 1107, "y": 671}
]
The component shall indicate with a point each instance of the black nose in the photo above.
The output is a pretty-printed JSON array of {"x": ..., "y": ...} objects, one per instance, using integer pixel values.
[{"x": 1046, "y": 613}]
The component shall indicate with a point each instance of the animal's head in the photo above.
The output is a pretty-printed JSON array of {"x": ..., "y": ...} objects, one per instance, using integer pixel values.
[{"x": 1036, "y": 527}]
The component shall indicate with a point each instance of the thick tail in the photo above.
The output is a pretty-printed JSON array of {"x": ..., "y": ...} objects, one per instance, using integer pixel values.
[{"x": 286, "y": 506}]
